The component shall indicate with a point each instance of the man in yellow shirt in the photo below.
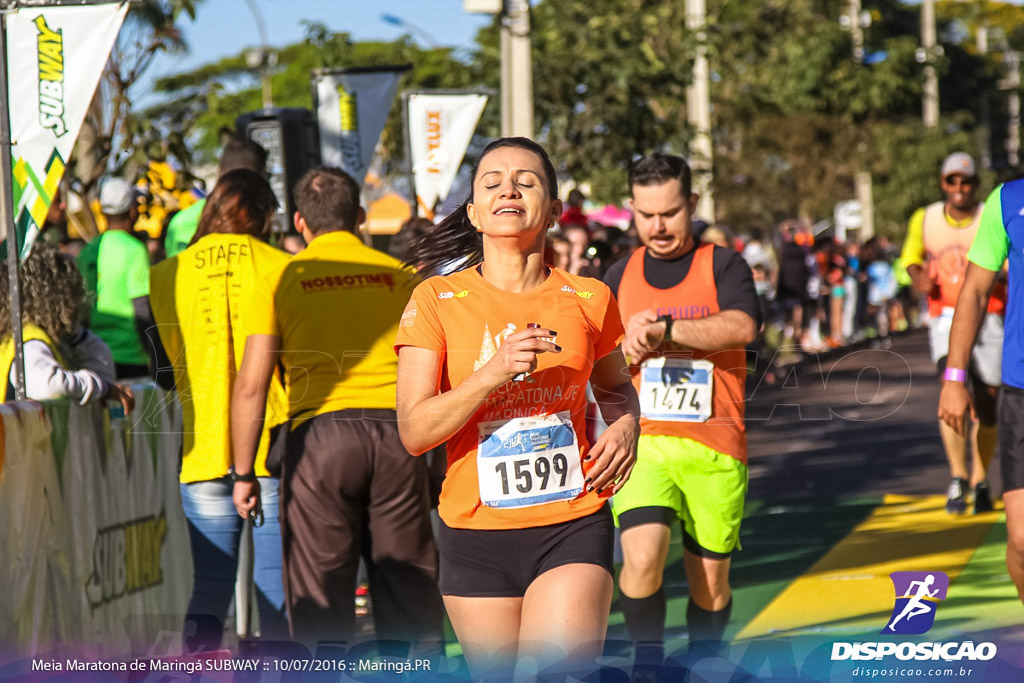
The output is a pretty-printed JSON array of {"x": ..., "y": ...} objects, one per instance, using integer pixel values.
[
  {"x": 349, "y": 487},
  {"x": 935, "y": 256}
]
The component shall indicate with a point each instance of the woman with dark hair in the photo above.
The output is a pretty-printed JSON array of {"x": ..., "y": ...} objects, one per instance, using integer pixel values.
[
  {"x": 198, "y": 297},
  {"x": 62, "y": 358},
  {"x": 494, "y": 360}
]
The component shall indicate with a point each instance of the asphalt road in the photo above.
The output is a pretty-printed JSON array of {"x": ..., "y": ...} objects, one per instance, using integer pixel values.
[{"x": 850, "y": 422}]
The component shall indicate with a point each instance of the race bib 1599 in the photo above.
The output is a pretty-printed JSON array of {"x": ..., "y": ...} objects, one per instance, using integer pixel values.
[{"x": 528, "y": 461}]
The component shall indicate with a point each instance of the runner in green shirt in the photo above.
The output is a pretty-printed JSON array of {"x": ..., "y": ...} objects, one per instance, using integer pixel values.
[{"x": 115, "y": 267}]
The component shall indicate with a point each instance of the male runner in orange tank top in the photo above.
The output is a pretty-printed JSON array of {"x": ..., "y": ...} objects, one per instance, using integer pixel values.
[{"x": 689, "y": 310}]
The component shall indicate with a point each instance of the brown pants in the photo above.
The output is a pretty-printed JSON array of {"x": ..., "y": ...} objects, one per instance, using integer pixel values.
[{"x": 349, "y": 489}]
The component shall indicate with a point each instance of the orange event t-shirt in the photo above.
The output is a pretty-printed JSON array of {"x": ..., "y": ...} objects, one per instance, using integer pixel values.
[{"x": 465, "y": 319}]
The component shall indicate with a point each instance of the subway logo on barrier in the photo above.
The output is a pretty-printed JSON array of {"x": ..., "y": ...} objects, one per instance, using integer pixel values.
[
  {"x": 126, "y": 558},
  {"x": 51, "y": 77}
]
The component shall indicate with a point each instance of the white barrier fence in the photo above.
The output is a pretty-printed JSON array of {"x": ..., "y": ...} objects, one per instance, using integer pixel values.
[{"x": 94, "y": 551}]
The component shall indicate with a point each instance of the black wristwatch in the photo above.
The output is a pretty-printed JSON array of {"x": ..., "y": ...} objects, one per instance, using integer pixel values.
[
  {"x": 668, "y": 320},
  {"x": 235, "y": 476}
]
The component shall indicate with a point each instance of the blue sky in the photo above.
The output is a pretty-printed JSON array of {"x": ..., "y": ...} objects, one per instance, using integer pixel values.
[{"x": 225, "y": 27}]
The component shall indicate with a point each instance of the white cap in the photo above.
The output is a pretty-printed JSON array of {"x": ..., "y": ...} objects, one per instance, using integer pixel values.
[
  {"x": 959, "y": 162},
  {"x": 116, "y": 196}
]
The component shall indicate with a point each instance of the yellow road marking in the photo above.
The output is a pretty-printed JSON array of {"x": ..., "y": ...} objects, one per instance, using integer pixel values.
[{"x": 851, "y": 582}]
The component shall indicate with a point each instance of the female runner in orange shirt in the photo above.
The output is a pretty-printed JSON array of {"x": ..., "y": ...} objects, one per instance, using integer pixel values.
[{"x": 494, "y": 359}]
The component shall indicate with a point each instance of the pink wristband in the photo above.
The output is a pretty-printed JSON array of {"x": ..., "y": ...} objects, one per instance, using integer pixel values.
[{"x": 954, "y": 375}]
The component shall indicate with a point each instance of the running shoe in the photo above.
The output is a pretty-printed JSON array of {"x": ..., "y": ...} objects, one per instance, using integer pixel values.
[
  {"x": 982, "y": 498},
  {"x": 956, "y": 501}
]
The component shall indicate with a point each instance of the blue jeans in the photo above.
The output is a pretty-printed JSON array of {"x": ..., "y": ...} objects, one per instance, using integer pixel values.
[{"x": 215, "y": 530}]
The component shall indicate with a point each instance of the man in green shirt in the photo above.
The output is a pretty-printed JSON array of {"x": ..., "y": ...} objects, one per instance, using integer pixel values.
[
  {"x": 115, "y": 267},
  {"x": 236, "y": 154}
]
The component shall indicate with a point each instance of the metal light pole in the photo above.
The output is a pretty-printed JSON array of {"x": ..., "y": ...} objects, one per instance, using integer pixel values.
[
  {"x": 425, "y": 37},
  {"x": 930, "y": 105},
  {"x": 516, "y": 62},
  {"x": 516, "y": 70},
  {"x": 698, "y": 100},
  {"x": 7, "y": 216},
  {"x": 264, "y": 58}
]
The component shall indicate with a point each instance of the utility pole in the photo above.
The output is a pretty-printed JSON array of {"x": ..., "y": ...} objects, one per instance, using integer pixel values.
[
  {"x": 856, "y": 30},
  {"x": 862, "y": 181},
  {"x": 1010, "y": 83},
  {"x": 698, "y": 101},
  {"x": 984, "y": 112},
  {"x": 930, "y": 105},
  {"x": 516, "y": 70},
  {"x": 1013, "y": 108}
]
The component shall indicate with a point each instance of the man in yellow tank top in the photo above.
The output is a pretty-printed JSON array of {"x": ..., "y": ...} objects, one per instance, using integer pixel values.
[{"x": 935, "y": 254}]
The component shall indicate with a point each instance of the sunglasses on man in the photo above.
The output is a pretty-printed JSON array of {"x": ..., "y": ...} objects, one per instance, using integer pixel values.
[{"x": 960, "y": 181}]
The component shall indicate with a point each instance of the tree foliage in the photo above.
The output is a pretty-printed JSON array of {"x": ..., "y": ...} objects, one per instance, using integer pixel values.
[
  {"x": 795, "y": 117},
  {"x": 111, "y": 123},
  {"x": 207, "y": 100},
  {"x": 613, "y": 84},
  {"x": 610, "y": 80}
]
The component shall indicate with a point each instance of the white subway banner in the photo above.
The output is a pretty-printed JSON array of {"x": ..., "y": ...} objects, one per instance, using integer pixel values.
[
  {"x": 440, "y": 129},
  {"x": 55, "y": 57},
  {"x": 351, "y": 109}
]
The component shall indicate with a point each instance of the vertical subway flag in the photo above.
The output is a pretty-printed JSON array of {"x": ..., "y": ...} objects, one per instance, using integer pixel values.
[
  {"x": 440, "y": 128},
  {"x": 55, "y": 57},
  {"x": 351, "y": 108}
]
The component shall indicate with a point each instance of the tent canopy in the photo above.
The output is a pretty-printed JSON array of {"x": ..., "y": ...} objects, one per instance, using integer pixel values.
[
  {"x": 387, "y": 214},
  {"x": 612, "y": 216}
]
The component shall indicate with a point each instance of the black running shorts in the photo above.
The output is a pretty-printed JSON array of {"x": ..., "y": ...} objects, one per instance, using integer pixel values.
[
  {"x": 502, "y": 563},
  {"x": 1011, "y": 437}
]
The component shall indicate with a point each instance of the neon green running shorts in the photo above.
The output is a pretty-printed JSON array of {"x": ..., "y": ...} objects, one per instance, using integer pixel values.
[{"x": 704, "y": 488}]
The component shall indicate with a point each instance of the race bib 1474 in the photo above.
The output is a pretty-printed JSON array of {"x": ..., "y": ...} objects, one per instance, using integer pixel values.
[{"x": 676, "y": 389}]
